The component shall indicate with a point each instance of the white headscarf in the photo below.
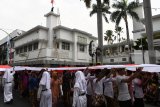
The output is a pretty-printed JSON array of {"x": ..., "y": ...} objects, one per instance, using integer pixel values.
[
  {"x": 80, "y": 81},
  {"x": 45, "y": 80},
  {"x": 8, "y": 76}
]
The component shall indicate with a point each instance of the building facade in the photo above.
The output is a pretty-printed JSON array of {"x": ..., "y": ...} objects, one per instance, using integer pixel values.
[
  {"x": 139, "y": 32},
  {"x": 53, "y": 45},
  {"x": 7, "y": 47},
  {"x": 117, "y": 53}
]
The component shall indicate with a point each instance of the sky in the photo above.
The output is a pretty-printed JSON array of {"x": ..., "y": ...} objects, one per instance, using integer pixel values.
[{"x": 26, "y": 14}]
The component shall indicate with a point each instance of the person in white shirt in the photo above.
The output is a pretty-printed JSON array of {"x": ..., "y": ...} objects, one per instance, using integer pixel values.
[
  {"x": 79, "y": 94},
  {"x": 44, "y": 91},
  {"x": 124, "y": 97},
  {"x": 138, "y": 91},
  {"x": 98, "y": 84},
  {"x": 108, "y": 91},
  {"x": 89, "y": 93},
  {"x": 8, "y": 80}
]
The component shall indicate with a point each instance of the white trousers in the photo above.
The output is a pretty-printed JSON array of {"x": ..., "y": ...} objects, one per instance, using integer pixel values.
[
  {"x": 46, "y": 98},
  {"x": 8, "y": 92}
]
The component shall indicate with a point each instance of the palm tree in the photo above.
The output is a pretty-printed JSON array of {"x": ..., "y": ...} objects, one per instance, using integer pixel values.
[
  {"x": 141, "y": 44},
  {"x": 109, "y": 36},
  {"x": 88, "y": 2},
  {"x": 123, "y": 9},
  {"x": 118, "y": 30},
  {"x": 99, "y": 23},
  {"x": 105, "y": 10}
]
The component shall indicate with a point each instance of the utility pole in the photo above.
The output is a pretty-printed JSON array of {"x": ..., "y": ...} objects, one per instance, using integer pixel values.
[{"x": 149, "y": 30}]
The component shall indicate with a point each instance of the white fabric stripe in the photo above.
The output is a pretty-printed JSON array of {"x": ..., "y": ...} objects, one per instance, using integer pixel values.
[{"x": 146, "y": 67}]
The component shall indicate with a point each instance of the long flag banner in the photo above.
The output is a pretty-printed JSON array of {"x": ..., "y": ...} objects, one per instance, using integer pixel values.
[{"x": 131, "y": 67}]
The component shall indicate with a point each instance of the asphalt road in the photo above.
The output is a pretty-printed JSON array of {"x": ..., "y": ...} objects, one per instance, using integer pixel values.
[
  {"x": 18, "y": 102},
  {"x": 22, "y": 102}
]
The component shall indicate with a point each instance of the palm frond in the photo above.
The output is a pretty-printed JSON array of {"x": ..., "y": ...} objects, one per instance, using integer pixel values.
[
  {"x": 105, "y": 9},
  {"x": 105, "y": 17},
  {"x": 114, "y": 15},
  {"x": 92, "y": 12},
  {"x": 106, "y": 1},
  {"x": 119, "y": 17},
  {"x": 118, "y": 5},
  {"x": 132, "y": 5},
  {"x": 87, "y": 3},
  {"x": 94, "y": 9},
  {"x": 134, "y": 15}
]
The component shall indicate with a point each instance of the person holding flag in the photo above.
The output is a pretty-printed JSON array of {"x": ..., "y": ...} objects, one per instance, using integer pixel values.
[{"x": 8, "y": 80}]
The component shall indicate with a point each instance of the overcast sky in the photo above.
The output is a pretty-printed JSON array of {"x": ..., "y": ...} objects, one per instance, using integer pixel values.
[{"x": 26, "y": 14}]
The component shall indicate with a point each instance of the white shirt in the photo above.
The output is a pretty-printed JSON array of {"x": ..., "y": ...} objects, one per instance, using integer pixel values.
[
  {"x": 137, "y": 88},
  {"x": 98, "y": 86},
  {"x": 89, "y": 87},
  {"x": 108, "y": 87},
  {"x": 123, "y": 88}
]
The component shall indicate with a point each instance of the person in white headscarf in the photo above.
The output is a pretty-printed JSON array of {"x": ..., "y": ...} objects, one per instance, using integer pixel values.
[
  {"x": 8, "y": 80},
  {"x": 79, "y": 94},
  {"x": 44, "y": 91}
]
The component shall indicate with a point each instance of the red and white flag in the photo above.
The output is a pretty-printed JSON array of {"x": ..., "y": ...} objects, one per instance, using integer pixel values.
[{"x": 52, "y": 1}]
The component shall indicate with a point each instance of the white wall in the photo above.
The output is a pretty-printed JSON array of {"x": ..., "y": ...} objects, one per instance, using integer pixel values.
[
  {"x": 156, "y": 24},
  {"x": 66, "y": 35},
  {"x": 27, "y": 38}
]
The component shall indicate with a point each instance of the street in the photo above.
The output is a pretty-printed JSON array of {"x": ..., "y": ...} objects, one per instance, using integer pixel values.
[
  {"x": 21, "y": 102},
  {"x": 18, "y": 102}
]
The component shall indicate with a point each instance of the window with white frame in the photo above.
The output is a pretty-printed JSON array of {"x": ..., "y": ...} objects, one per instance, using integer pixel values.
[
  {"x": 21, "y": 50},
  {"x": 111, "y": 60},
  {"x": 35, "y": 46},
  {"x": 17, "y": 51},
  {"x": 82, "y": 48},
  {"x": 57, "y": 45},
  {"x": 124, "y": 59},
  {"x": 65, "y": 46},
  {"x": 30, "y": 47},
  {"x": 25, "y": 48}
]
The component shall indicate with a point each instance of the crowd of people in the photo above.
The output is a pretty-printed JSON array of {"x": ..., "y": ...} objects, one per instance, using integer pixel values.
[{"x": 83, "y": 88}]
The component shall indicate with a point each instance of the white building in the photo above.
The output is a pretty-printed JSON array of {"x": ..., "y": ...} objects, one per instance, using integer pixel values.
[
  {"x": 139, "y": 32},
  {"x": 52, "y": 45},
  {"x": 7, "y": 54},
  {"x": 117, "y": 53}
]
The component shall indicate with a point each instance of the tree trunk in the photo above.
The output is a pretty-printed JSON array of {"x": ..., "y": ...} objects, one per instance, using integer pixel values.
[
  {"x": 128, "y": 39},
  {"x": 100, "y": 30},
  {"x": 149, "y": 30}
]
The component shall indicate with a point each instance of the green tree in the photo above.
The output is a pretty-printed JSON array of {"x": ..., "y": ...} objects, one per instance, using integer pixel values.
[
  {"x": 99, "y": 23},
  {"x": 118, "y": 31},
  {"x": 141, "y": 44},
  {"x": 109, "y": 36},
  {"x": 123, "y": 9},
  {"x": 105, "y": 10}
]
